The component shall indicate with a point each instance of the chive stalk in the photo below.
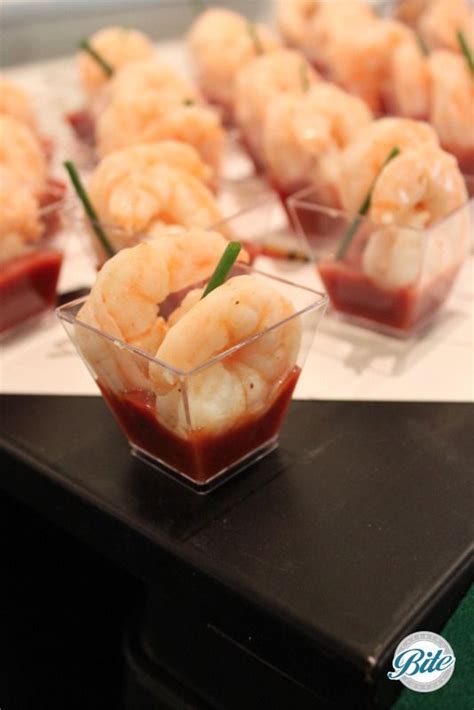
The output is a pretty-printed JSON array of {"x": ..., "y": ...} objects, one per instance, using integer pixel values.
[
  {"x": 107, "y": 68},
  {"x": 304, "y": 75},
  {"x": 363, "y": 209},
  {"x": 466, "y": 50},
  {"x": 88, "y": 208},
  {"x": 257, "y": 43},
  {"x": 222, "y": 269},
  {"x": 422, "y": 45}
]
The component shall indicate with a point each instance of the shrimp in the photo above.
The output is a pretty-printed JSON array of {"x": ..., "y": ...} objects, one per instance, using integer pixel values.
[
  {"x": 20, "y": 223},
  {"x": 130, "y": 289},
  {"x": 408, "y": 85},
  {"x": 125, "y": 299},
  {"x": 280, "y": 72},
  {"x": 293, "y": 19},
  {"x": 21, "y": 153},
  {"x": 303, "y": 135},
  {"x": 237, "y": 386},
  {"x": 144, "y": 119},
  {"x": 328, "y": 24},
  {"x": 144, "y": 200},
  {"x": 439, "y": 24},
  {"x": 359, "y": 59},
  {"x": 141, "y": 157},
  {"x": 452, "y": 105},
  {"x": 152, "y": 76},
  {"x": 417, "y": 190},
  {"x": 118, "y": 46},
  {"x": 361, "y": 161},
  {"x": 220, "y": 43},
  {"x": 15, "y": 103}
]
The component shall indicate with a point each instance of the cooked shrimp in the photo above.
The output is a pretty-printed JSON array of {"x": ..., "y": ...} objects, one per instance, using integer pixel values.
[
  {"x": 365, "y": 155},
  {"x": 118, "y": 46},
  {"x": 407, "y": 89},
  {"x": 418, "y": 189},
  {"x": 452, "y": 105},
  {"x": 126, "y": 297},
  {"x": 442, "y": 20},
  {"x": 396, "y": 258},
  {"x": 21, "y": 153},
  {"x": 293, "y": 19},
  {"x": 303, "y": 135},
  {"x": 221, "y": 394},
  {"x": 144, "y": 119},
  {"x": 20, "y": 223},
  {"x": 329, "y": 22},
  {"x": 359, "y": 58},
  {"x": 15, "y": 103},
  {"x": 221, "y": 42},
  {"x": 147, "y": 199},
  {"x": 280, "y": 72},
  {"x": 152, "y": 76},
  {"x": 141, "y": 157}
]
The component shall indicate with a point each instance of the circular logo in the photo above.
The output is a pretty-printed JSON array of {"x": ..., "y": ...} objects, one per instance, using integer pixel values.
[{"x": 423, "y": 662}]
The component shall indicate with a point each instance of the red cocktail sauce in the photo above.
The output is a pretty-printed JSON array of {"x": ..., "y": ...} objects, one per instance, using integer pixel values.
[
  {"x": 28, "y": 283},
  {"x": 352, "y": 292},
  {"x": 28, "y": 286},
  {"x": 82, "y": 123},
  {"x": 51, "y": 216},
  {"x": 200, "y": 456}
]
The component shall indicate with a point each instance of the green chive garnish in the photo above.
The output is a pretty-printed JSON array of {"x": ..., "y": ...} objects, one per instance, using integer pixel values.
[
  {"x": 422, "y": 45},
  {"x": 252, "y": 30},
  {"x": 188, "y": 102},
  {"x": 304, "y": 74},
  {"x": 466, "y": 50},
  {"x": 104, "y": 65},
  {"x": 226, "y": 262},
  {"x": 89, "y": 210},
  {"x": 363, "y": 209}
]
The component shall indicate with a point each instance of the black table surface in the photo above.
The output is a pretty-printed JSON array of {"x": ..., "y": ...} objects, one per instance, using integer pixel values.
[{"x": 349, "y": 534}]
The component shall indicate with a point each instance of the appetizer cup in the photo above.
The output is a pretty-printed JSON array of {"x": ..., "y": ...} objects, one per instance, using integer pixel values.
[
  {"x": 182, "y": 431},
  {"x": 28, "y": 280},
  {"x": 390, "y": 278}
]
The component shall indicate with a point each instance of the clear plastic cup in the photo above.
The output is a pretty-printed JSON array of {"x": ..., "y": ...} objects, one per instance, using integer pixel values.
[
  {"x": 389, "y": 278},
  {"x": 28, "y": 280},
  {"x": 166, "y": 427}
]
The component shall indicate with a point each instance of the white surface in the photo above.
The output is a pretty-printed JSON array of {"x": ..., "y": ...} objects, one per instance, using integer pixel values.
[{"x": 346, "y": 362}]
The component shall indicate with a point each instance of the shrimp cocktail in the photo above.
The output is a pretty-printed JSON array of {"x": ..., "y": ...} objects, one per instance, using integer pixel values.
[
  {"x": 391, "y": 258},
  {"x": 197, "y": 356},
  {"x": 30, "y": 211}
]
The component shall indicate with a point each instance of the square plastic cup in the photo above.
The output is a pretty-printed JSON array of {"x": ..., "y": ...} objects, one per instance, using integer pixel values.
[
  {"x": 28, "y": 282},
  {"x": 388, "y": 278},
  {"x": 176, "y": 427}
]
